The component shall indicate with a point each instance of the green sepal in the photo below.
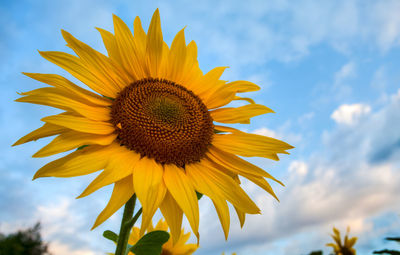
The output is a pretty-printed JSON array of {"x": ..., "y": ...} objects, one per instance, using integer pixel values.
[
  {"x": 151, "y": 243},
  {"x": 111, "y": 98},
  {"x": 81, "y": 147},
  {"x": 218, "y": 132},
  {"x": 199, "y": 195},
  {"x": 110, "y": 236}
]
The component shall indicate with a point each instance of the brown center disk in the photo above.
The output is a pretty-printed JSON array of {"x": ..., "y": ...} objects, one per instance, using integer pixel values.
[{"x": 162, "y": 120}]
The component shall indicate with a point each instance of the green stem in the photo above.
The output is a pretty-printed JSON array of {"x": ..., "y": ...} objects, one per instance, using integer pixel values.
[
  {"x": 125, "y": 226},
  {"x": 132, "y": 221}
]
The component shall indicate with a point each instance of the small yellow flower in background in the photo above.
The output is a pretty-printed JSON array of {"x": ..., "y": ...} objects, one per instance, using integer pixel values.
[
  {"x": 178, "y": 247},
  {"x": 148, "y": 124},
  {"x": 343, "y": 249}
]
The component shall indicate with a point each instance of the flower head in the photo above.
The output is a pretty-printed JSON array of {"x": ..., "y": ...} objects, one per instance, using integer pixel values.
[
  {"x": 148, "y": 124},
  {"x": 343, "y": 249}
]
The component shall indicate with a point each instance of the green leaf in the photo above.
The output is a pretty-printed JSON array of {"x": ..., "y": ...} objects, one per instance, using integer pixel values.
[
  {"x": 151, "y": 243},
  {"x": 199, "y": 195},
  {"x": 110, "y": 236}
]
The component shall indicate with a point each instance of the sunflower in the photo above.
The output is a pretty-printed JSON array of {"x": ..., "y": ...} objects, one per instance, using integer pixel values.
[
  {"x": 147, "y": 123},
  {"x": 179, "y": 247},
  {"x": 343, "y": 249}
]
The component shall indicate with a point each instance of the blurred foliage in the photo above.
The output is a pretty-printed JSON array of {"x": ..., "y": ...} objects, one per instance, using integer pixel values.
[
  {"x": 316, "y": 253},
  {"x": 386, "y": 251},
  {"x": 397, "y": 239},
  {"x": 24, "y": 242}
]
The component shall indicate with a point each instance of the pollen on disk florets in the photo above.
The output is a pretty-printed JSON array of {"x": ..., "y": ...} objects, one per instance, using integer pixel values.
[{"x": 162, "y": 120}]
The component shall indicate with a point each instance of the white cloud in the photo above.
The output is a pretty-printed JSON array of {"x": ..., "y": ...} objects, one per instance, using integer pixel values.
[
  {"x": 349, "y": 114},
  {"x": 282, "y": 133},
  {"x": 67, "y": 229},
  {"x": 298, "y": 168},
  {"x": 64, "y": 249},
  {"x": 266, "y": 132}
]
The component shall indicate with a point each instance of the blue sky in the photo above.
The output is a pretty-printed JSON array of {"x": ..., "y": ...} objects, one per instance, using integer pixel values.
[{"x": 330, "y": 70}]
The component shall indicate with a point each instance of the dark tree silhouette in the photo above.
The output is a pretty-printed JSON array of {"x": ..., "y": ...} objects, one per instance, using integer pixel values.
[
  {"x": 386, "y": 251},
  {"x": 316, "y": 253},
  {"x": 24, "y": 242}
]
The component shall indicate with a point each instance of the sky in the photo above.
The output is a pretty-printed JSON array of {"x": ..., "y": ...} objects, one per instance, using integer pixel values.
[{"x": 329, "y": 69}]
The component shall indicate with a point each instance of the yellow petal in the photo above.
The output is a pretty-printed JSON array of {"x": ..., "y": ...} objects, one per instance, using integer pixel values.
[
  {"x": 262, "y": 183},
  {"x": 192, "y": 51},
  {"x": 226, "y": 93},
  {"x": 80, "y": 124},
  {"x": 139, "y": 37},
  {"x": 44, "y": 131},
  {"x": 223, "y": 213},
  {"x": 213, "y": 183},
  {"x": 251, "y": 101},
  {"x": 75, "y": 67},
  {"x": 250, "y": 145},
  {"x": 133, "y": 237},
  {"x": 98, "y": 64},
  {"x": 352, "y": 241},
  {"x": 242, "y": 86},
  {"x": 64, "y": 84},
  {"x": 120, "y": 165},
  {"x": 177, "y": 58},
  {"x": 208, "y": 162},
  {"x": 219, "y": 98},
  {"x": 123, "y": 191},
  {"x": 240, "y": 114},
  {"x": 127, "y": 48},
  {"x": 192, "y": 73},
  {"x": 210, "y": 83},
  {"x": 173, "y": 215},
  {"x": 241, "y": 216},
  {"x": 67, "y": 101},
  {"x": 154, "y": 45},
  {"x": 111, "y": 44},
  {"x": 81, "y": 162},
  {"x": 236, "y": 164},
  {"x": 232, "y": 172},
  {"x": 150, "y": 188},
  {"x": 185, "y": 249},
  {"x": 70, "y": 140},
  {"x": 183, "y": 192},
  {"x": 161, "y": 225}
]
